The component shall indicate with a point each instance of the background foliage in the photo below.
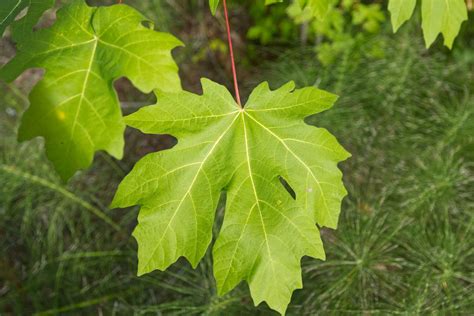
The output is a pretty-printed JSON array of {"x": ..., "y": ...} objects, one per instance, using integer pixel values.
[{"x": 405, "y": 241}]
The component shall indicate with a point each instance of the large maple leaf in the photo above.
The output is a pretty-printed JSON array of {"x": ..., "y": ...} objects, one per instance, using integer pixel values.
[
  {"x": 75, "y": 107},
  {"x": 244, "y": 152}
]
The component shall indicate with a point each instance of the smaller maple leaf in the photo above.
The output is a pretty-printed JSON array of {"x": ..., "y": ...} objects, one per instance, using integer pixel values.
[
  {"x": 244, "y": 152},
  {"x": 75, "y": 107}
]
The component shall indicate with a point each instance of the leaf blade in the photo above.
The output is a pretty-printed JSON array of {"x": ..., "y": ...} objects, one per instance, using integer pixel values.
[
  {"x": 242, "y": 151},
  {"x": 74, "y": 107}
]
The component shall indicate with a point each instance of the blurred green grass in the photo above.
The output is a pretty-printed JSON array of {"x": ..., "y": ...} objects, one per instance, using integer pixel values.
[{"x": 405, "y": 241}]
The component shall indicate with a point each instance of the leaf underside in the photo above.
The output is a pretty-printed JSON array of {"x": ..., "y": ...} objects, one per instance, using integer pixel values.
[
  {"x": 244, "y": 153},
  {"x": 74, "y": 107},
  {"x": 443, "y": 17},
  {"x": 318, "y": 8}
]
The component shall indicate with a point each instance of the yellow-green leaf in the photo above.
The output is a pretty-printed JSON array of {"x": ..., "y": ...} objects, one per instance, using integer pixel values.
[
  {"x": 244, "y": 153},
  {"x": 401, "y": 11},
  {"x": 75, "y": 107},
  {"x": 438, "y": 16},
  {"x": 9, "y": 10},
  {"x": 318, "y": 8},
  {"x": 442, "y": 16},
  {"x": 214, "y": 4}
]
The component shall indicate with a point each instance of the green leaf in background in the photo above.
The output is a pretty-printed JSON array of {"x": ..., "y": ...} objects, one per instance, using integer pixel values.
[
  {"x": 318, "y": 8},
  {"x": 74, "y": 107},
  {"x": 400, "y": 11},
  {"x": 268, "y": 2},
  {"x": 438, "y": 16},
  {"x": 215, "y": 3},
  {"x": 245, "y": 153},
  {"x": 9, "y": 10}
]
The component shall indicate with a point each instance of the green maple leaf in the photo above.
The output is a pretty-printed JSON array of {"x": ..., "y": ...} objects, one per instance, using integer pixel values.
[
  {"x": 9, "y": 10},
  {"x": 244, "y": 153},
  {"x": 438, "y": 16},
  {"x": 74, "y": 107}
]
